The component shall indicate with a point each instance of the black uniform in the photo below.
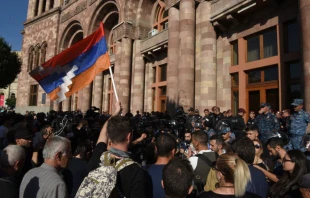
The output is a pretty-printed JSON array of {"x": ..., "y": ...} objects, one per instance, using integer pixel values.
[
  {"x": 237, "y": 126},
  {"x": 216, "y": 118},
  {"x": 251, "y": 121}
]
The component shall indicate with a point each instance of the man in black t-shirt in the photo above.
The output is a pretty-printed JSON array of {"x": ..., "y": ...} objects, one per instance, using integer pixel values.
[{"x": 132, "y": 180}]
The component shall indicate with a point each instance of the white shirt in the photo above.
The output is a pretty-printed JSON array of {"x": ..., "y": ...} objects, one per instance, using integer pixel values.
[{"x": 194, "y": 159}]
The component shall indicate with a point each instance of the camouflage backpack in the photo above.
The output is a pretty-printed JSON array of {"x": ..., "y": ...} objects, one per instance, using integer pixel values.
[{"x": 101, "y": 182}]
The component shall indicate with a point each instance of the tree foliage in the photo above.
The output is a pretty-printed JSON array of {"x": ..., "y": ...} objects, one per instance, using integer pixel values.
[
  {"x": 10, "y": 102},
  {"x": 10, "y": 64}
]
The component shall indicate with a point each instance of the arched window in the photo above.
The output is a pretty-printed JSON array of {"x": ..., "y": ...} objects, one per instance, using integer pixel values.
[
  {"x": 37, "y": 56},
  {"x": 12, "y": 95},
  {"x": 36, "y": 8},
  {"x": 30, "y": 58},
  {"x": 51, "y": 4},
  {"x": 43, "y": 53},
  {"x": 112, "y": 45},
  {"x": 161, "y": 17},
  {"x": 43, "y": 6}
]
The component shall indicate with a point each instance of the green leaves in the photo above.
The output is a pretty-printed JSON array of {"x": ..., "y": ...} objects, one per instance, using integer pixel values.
[
  {"x": 10, "y": 102},
  {"x": 10, "y": 64}
]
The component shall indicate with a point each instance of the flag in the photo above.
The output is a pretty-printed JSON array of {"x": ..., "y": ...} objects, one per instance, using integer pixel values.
[{"x": 74, "y": 68}]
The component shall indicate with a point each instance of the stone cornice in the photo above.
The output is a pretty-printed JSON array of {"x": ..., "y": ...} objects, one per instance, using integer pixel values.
[
  {"x": 219, "y": 8},
  {"x": 128, "y": 30},
  {"x": 42, "y": 16},
  {"x": 173, "y": 3}
]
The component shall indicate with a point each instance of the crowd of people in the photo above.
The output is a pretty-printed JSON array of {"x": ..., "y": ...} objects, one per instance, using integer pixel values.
[{"x": 187, "y": 155}]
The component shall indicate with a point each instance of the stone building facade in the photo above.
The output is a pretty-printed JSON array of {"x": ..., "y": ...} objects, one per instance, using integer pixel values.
[{"x": 166, "y": 53}]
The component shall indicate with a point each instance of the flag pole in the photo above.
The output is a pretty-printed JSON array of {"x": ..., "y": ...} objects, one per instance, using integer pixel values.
[{"x": 113, "y": 83}]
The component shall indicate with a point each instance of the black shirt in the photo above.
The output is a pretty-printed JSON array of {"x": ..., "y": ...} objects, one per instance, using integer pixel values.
[
  {"x": 132, "y": 180},
  {"x": 211, "y": 194},
  {"x": 74, "y": 175}
]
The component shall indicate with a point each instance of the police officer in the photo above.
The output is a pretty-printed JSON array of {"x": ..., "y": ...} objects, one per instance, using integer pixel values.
[
  {"x": 266, "y": 122},
  {"x": 237, "y": 123},
  {"x": 190, "y": 116},
  {"x": 208, "y": 127},
  {"x": 251, "y": 120},
  {"x": 208, "y": 117},
  {"x": 299, "y": 123},
  {"x": 227, "y": 135},
  {"x": 197, "y": 116},
  {"x": 286, "y": 120},
  {"x": 217, "y": 115}
]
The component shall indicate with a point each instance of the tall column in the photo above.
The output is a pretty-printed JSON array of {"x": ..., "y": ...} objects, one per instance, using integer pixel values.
[
  {"x": 186, "y": 73},
  {"x": 66, "y": 104},
  {"x": 173, "y": 60},
  {"x": 40, "y": 7},
  {"x": 207, "y": 59},
  {"x": 31, "y": 9},
  {"x": 138, "y": 79},
  {"x": 147, "y": 87},
  {"x": 105, "y": 101},
  {"x": 86, "y": 98},
  {"x": 97, "y": 91},
  {"x": 55, "y": 106},
  {"x": 149, "y": 96},
  {"x": 304, "y": 6},
  {"x": 124, "y": 77},
  {"x": 48, "y": 3},
  {"x": 117, "y": 71}
]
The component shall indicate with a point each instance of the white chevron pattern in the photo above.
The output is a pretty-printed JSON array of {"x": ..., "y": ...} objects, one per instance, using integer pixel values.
[{"x": 67, "y": 81}]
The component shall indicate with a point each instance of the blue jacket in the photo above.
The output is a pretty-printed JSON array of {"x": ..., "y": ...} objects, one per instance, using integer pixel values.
[
  {"x": 299, "y": 122},
  {"x": 266, "y": 123}
]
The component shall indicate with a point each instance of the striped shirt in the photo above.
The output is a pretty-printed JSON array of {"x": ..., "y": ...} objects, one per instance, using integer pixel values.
[{"x": 43, "y": 181}]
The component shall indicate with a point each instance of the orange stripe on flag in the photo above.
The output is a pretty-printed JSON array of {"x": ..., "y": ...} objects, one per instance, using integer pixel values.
[{"x": 85, "y": 78}]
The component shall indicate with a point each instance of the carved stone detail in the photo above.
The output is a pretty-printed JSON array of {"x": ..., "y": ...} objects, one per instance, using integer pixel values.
[{"x": 127, "y": 30}]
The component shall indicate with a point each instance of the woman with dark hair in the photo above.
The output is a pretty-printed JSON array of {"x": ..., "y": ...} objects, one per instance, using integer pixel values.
[
  {"x": 294, "y": 166},
  {"x": 233, "y": 175}
]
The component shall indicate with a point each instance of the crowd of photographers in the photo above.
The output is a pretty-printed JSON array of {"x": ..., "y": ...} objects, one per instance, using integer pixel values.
[{"x": 217, "y": 154}]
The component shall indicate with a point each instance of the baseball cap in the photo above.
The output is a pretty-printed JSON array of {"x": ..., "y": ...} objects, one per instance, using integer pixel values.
[
  {"x": 196, "y": 111},
  {"x": 304, "y": 181},
  {"x": 191, "y": 109},
  {"x": 241, "y": 110},
  {"x": 297, "y": 102},
  {"x": 264, "y": 104},
  {"x": 225, "y": 130}
]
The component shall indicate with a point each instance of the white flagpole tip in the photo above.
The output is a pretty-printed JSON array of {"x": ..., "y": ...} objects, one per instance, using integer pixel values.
[{"x": 113, "y": 83}]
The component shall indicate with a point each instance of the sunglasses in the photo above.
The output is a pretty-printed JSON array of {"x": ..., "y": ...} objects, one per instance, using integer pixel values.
[
  {"x": 257, "y": 146},
  {"x": 286, "y": 160},
  {"x": 215, "y": 168}
]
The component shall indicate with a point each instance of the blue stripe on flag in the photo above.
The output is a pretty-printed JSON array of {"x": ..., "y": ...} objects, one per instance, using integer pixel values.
[{"x": 83, "y": 62}]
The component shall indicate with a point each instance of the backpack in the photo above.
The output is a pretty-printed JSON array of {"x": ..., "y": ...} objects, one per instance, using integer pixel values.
[
  {"x": 101, "y": 182},
  {"x": 198, "y": 183}
]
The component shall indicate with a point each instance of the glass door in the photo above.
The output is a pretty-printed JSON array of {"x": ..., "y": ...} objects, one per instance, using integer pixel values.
[
  {"x": 262, "y": 94},
  {"x": 272, "y": 97},
  {"x": 254, "y": 100}
]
